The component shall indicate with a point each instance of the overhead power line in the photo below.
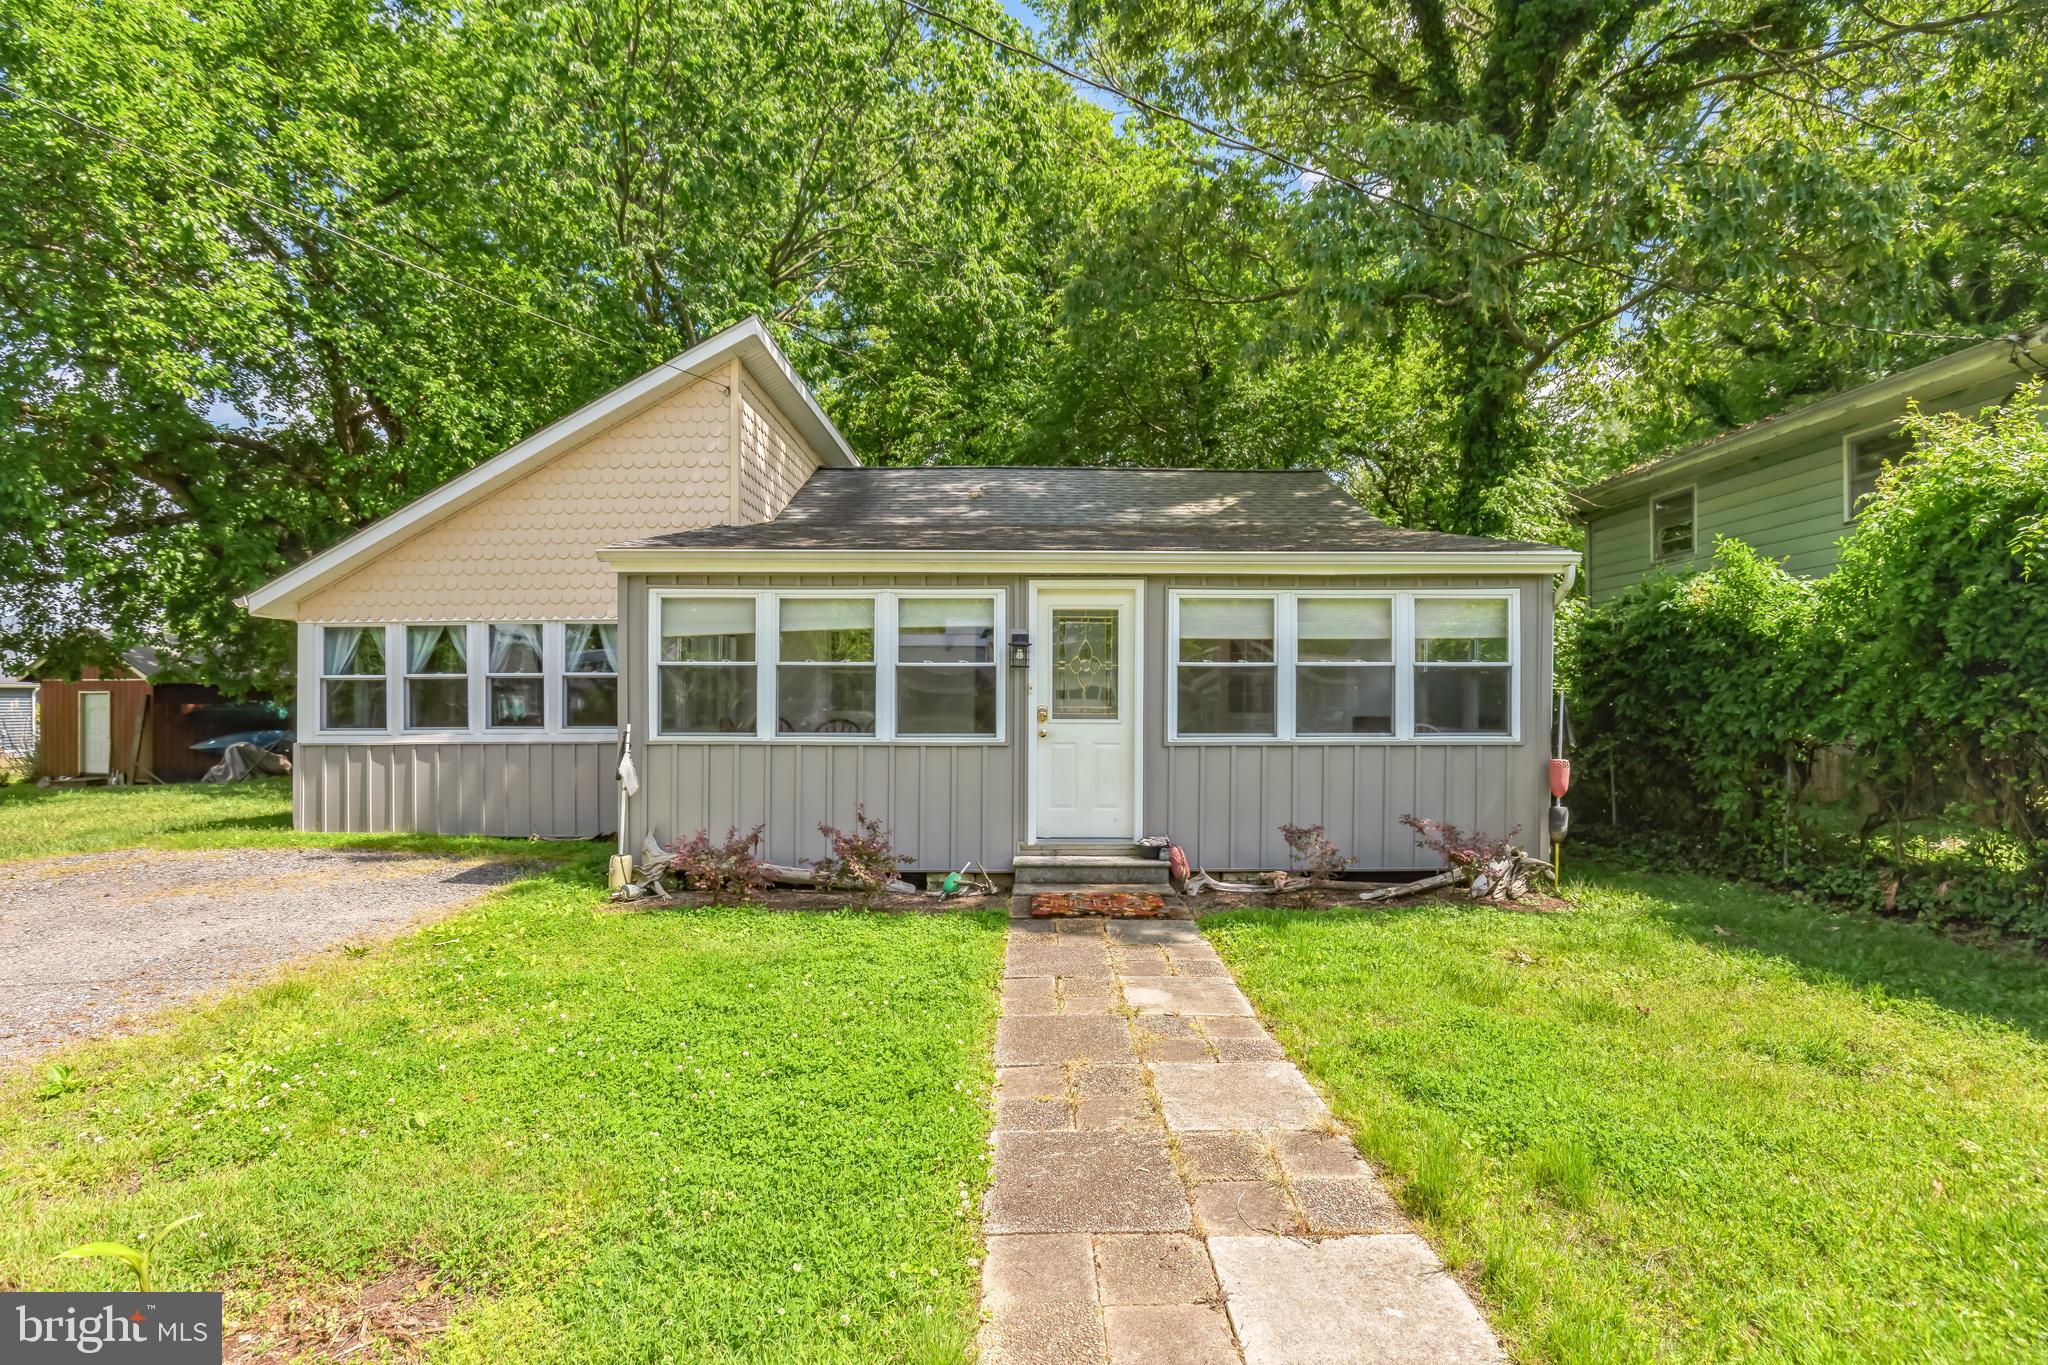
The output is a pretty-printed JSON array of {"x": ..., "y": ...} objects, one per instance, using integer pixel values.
[
  {"x": 1237, "y": 142},
  {"x": 330, "y": 230}
]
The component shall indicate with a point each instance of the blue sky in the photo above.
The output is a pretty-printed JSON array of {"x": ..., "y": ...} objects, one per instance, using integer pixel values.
[{"x": 1029, "y": 17}]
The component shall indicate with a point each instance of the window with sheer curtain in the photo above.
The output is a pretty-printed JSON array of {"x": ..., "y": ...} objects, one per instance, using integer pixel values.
[
  {"x": 352, "y": 678},
  {"x": 590, "y": 675},
  {"x": 516, "y": 681},
  {"x": 437, "y": 677}
]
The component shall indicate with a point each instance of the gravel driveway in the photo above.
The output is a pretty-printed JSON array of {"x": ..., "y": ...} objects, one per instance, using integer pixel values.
[{"x": 89, "y": 943}]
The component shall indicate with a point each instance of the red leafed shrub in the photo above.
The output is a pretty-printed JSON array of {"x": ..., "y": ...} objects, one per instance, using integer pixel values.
[
  {"x": 726, "y": 871},
  {"x": 1459, "y": 847},
  {"x": 861, "y": 860},
  {"x": 1314, "y": 854}
]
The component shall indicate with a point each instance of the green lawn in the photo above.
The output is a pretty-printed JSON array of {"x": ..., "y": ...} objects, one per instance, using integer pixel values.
[
  {"x": 38, "y": 822},
  {"x": 705, "y": 1135},
  {"x": 1690, "y": 1120}
]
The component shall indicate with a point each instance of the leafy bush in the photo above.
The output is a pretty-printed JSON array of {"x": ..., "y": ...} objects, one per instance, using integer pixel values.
[
  {"x": 1461, "y": 848},
  {"x": 1697, "y": 694},
  {"x": 1314, "y": 854},
  {"x": 1938, "y": 616},
  {"x": 862, "y": 860},
  {"x": 726, "y": 871}
]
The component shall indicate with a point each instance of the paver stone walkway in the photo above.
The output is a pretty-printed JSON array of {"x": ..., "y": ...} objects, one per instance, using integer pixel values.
[{"x": 1169, "y": 1188}]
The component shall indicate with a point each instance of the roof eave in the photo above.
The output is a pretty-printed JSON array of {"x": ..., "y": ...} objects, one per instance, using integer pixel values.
[
  {"x": 747, "y": 342},
  {"x": 2018, "y": 351},
  {"x": 659, "y": 559}
]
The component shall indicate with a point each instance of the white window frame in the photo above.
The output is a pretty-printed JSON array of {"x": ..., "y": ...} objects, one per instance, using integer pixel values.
[
  {"x": 998, "y": 658},
  {"x": 546, "y": 711},
  {"x": 477, "y": 635},
  {"x": 321, "y": 677},
  {"x": 1849, "y": 440},
  {"x": 1657, "y": 558},
  {"x": 1402, "y": 696},
  {"x": 768, "y": 659},
  {"x": 1286, "y": 653},
  {"x": 1282, "y": 665},
  {"x": 473, "y": 634},
  {"x": 559, "y": 683}
]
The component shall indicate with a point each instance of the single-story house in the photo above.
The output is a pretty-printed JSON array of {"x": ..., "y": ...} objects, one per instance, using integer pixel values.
[
  {"x": 989, "y": 659},
  {"x": 1790, "y": 485}
]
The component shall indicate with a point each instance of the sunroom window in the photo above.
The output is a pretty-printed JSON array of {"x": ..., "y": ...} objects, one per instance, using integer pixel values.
[
  {"x": 1344, "y": 666},
  {"x": 946, "y": 670},
  {"x": 1463, "y": 672},
  {"x": 590, "y": 675},
  {"x": 516, "y": 682},
  {"x": 1226, "y": 673},
  {"x": 437, "y": 677},
  {"x": 352, "y": 678},
  {"x": 825, "y": 677},
  {"x": 708, "y": 683}
]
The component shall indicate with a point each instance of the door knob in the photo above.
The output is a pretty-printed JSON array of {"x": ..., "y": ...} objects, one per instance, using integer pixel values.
[
  {"x": 1041, "y": 732},
  {"x": 1042, "y": 713}
]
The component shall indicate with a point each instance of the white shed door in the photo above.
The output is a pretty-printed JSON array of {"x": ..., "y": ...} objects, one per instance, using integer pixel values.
[
  {"x": 1084, "y": 710},
  {"x": 95, "y": 732}
]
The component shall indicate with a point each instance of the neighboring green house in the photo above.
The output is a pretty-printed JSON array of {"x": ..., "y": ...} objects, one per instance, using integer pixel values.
[{"x": 1788, "y": 485}]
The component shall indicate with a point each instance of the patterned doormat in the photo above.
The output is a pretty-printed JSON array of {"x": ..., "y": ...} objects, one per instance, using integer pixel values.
[{"x": 1114, "y": 904}]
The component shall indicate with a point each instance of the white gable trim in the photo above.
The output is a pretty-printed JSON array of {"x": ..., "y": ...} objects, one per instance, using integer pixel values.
[{"x": 747, "y": 342}]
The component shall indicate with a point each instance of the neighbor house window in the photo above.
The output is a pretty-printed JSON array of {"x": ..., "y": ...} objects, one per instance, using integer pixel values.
[
  {"x": 516, "y": 685},
  {"x": 1866, "y": 457},
  {"x": 1226, "y": 673},
  {"x": 1671, "y": 523},
  {"x": 352, "y": 678},
  {"x": 1329, "y": 666},
  {"x": 709, "y": 682},
  {"x": 946, "y": 670},
  {"x": 1344, "y": 666},
  {"x": 590, "y": 675},
  {"x": 825, "y": 677},
  {"x": 1464, "y": 676},
  {"x": 437, "y": 677}
]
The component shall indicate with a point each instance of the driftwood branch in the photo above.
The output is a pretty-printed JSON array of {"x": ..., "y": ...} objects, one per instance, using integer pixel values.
[{"x": 1455, "y": 877}]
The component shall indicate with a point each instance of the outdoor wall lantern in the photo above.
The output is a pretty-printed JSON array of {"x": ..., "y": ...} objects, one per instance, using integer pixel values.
[{"x": 1020, "y": 649}]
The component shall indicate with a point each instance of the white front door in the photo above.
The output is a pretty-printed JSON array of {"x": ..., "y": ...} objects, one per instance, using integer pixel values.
[
  {"x": 1084, "y": 713},
  {"x": 95, "y": 732}
]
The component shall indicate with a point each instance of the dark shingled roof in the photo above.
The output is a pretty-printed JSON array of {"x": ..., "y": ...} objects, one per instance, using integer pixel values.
[{"x": 1067, "y": 508}]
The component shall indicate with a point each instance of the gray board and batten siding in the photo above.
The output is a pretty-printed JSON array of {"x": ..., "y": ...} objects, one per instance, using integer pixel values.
[
  {"x": 949, "y": 803},
  {"x": 515, "y": 790}
]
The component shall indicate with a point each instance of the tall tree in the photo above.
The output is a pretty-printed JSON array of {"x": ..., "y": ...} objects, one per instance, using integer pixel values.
[
  {"x": 314, "y": 256},
  {"x": 1526, "y": 179}
]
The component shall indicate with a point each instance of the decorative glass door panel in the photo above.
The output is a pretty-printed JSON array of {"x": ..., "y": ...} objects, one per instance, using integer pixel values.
[{"x": 1084, "y": 665}]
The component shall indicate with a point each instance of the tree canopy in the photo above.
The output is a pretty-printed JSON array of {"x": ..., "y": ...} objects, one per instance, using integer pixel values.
[{"x": 274, "y": 267}]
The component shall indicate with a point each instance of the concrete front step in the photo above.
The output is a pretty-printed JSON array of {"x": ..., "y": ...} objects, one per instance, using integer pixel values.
[{"x": 1059, "y": 870}]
